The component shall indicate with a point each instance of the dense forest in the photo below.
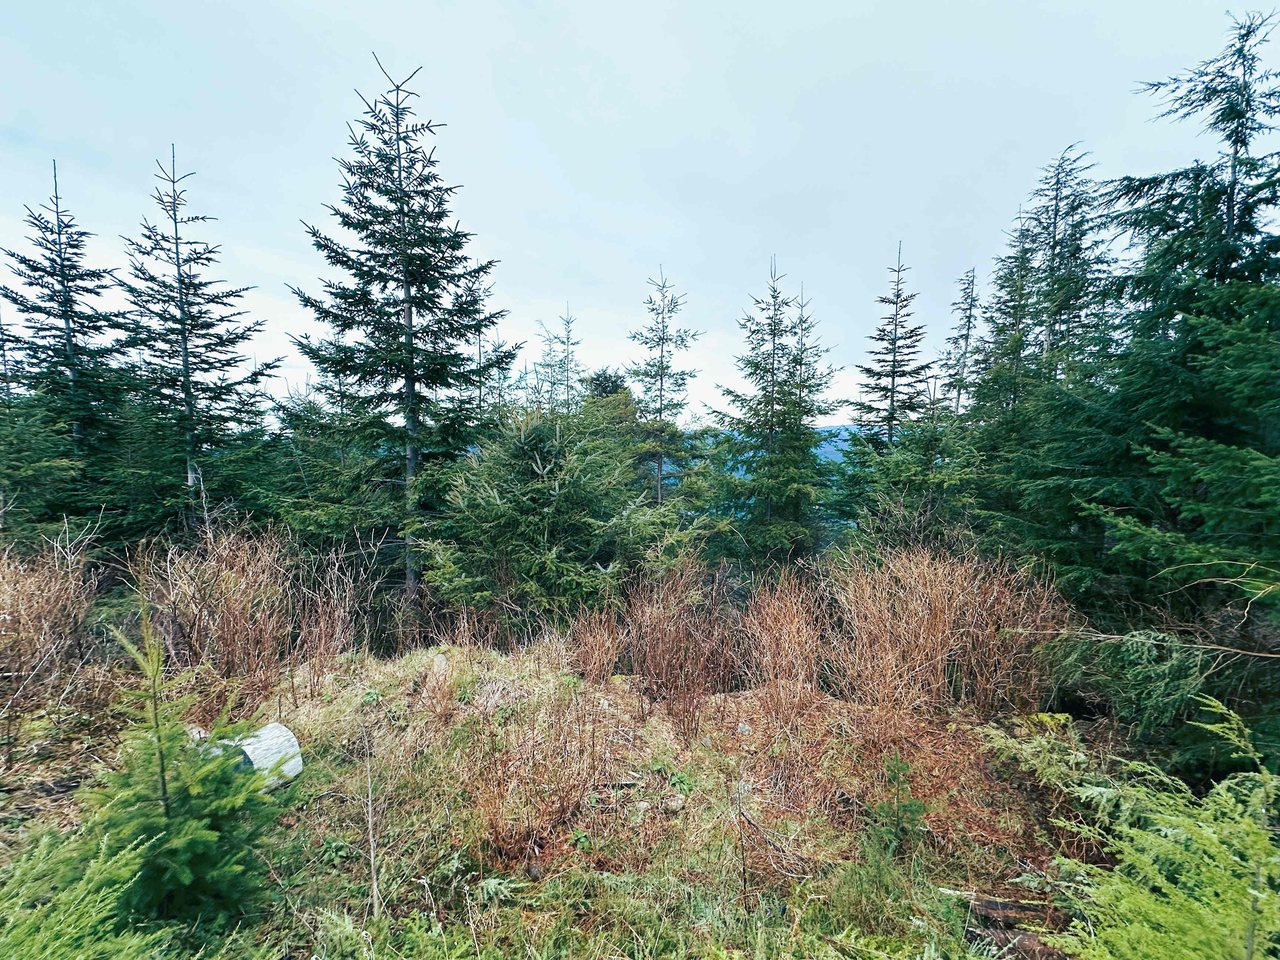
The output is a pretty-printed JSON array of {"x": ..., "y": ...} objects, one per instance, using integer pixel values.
[{"x": 580, "y": 669}]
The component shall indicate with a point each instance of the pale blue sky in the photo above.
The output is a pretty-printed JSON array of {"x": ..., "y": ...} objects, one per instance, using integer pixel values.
[{"x": 598, "y": 140}]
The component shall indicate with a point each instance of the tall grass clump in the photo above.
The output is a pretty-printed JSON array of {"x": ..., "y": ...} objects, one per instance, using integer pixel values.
[
  {"x": 680, "y": 632},
  {"x": 922, "y": 630},
  {"x": 45, "y": 599}
]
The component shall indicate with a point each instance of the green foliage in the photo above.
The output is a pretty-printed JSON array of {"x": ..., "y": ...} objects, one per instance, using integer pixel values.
[
  {"x": 38, "y": 468},
  {"x": 772, "y": 484},
  {"x": 188, "y": 806},
  {"x": 896, "y": 376},
  {"x": 544, "y": 517},
  {"x": 79, "y": 919},
  {"x": 663, "y": 385},
  {"x": 879, "y": 893},
  {"x": 403, "y": 365},
  {"x": 190, "y": 337},
  {"x": 341, "y": 937},
  {"x": 1194, "y": 877},
  {"x": 1145, "y": 679},
  {"x": 897, "y": 823}
]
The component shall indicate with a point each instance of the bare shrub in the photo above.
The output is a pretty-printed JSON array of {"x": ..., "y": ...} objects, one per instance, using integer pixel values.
[
  {"x": 598, "y": 643},
  {"x": 918, "y": 629},
  {"x": 680, "y": 630},
  {"x": 223, "y": 608},
  {"x": 330, "y": 614},
  {"x": 782, "y": 635},
  {"x": 536, "y": 775},
  {"x": 244, "y": 609},
  {"x": 44, "y": 600}
]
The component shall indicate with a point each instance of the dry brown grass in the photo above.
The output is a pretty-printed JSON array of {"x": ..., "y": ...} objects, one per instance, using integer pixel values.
[
  {"x": 44, "y": 601},
  {"x": 223, "y": 607},
  {"x": 598, "y": 642},
  {"x": 535, "y": 775},
  {"x": 919, "y": 630}
]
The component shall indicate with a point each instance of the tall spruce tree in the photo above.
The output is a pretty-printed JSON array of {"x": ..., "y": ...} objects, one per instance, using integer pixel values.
[
  {"x": 1070, "y": 303},
  {"x": 67, "y": 349},
  {"x": 1197, "y": 386},
  {"x": 663, "y": 386},
  {"x": 408, "y": 310},
  {"x": 1002, "y": 364},
  {"x": 775, "y": 482},
  {"x": 1041, "y": 379},
  {"x": 189, "y": 335},
  {"x": 896, "y": 379}
]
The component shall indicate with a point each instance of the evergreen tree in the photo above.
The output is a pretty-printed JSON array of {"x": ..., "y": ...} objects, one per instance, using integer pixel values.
[
  {"x": 774, "y": 481},
  {"x": 187, "y": 331},
  {"x": 1196, "y": 394},
  {"x": 57, "y": 376},
  {"x": 187, "y": 805},
  {"x": 67, "y": 352},
  {"x": 1070, "y": 297},
  {"x": 663, "y": 386},
  {"x": 11, "y": 377},
  {"x": 408, "y": 311},
  {"x": 1190, "y": 874},
  {"x": 605, "y": 382},
  {"x": 895, "y": 378},
  {"x": 957, "y": 365},
  {"x": 545, "y": 517},
  {"x": 1001, "y": 365},
  {"x": 79, "y": 919},
  {"x": 557, "y": 385},
  {"x": 1036, "y": 420}
]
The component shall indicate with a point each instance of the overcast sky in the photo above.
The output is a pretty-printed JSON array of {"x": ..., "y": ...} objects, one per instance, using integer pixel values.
[{"x": 596, "y": 141}]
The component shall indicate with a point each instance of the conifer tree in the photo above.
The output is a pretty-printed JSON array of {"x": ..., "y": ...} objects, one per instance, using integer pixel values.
[
  {"x": 1196, "y": 396},
  {"x": 957, "y": 365},
  {"x": 774, "y": 482},
  {"x": 10, "y": 362},
  {"x": 188, "y": 329},
  {"x": 663, "y": 386},
  {"x": 1002, "y": 365},
  {"x": 1070, "y": 303},
  {"x": 896, "y": 377},
  {"x": 545, "y": 519},
  {"x": 557, "y": 385},
  {"x": 407, "y": 310},
  {"x": 188, "y": 805},
  {"x": 67, "y": 349},
  {"x": 64, "y": 356},
  {"x": 605, "y": 382}
]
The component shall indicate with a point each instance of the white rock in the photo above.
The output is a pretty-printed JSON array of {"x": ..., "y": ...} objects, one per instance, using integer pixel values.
[{"x": 274, "y": 743}]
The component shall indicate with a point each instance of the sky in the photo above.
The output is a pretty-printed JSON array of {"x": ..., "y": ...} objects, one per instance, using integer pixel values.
[{"x": 596, "y": 143}]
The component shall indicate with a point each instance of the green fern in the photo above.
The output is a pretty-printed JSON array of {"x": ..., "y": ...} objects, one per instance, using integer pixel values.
[{"x": 42, "y": 920}]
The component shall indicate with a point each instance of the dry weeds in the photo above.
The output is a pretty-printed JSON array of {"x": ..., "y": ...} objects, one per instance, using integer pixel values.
[{"x": 919, "y": 630}]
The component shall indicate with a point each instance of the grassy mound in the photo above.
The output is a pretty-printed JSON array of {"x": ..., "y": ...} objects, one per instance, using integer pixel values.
[{"x": 499, "y": 804}]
